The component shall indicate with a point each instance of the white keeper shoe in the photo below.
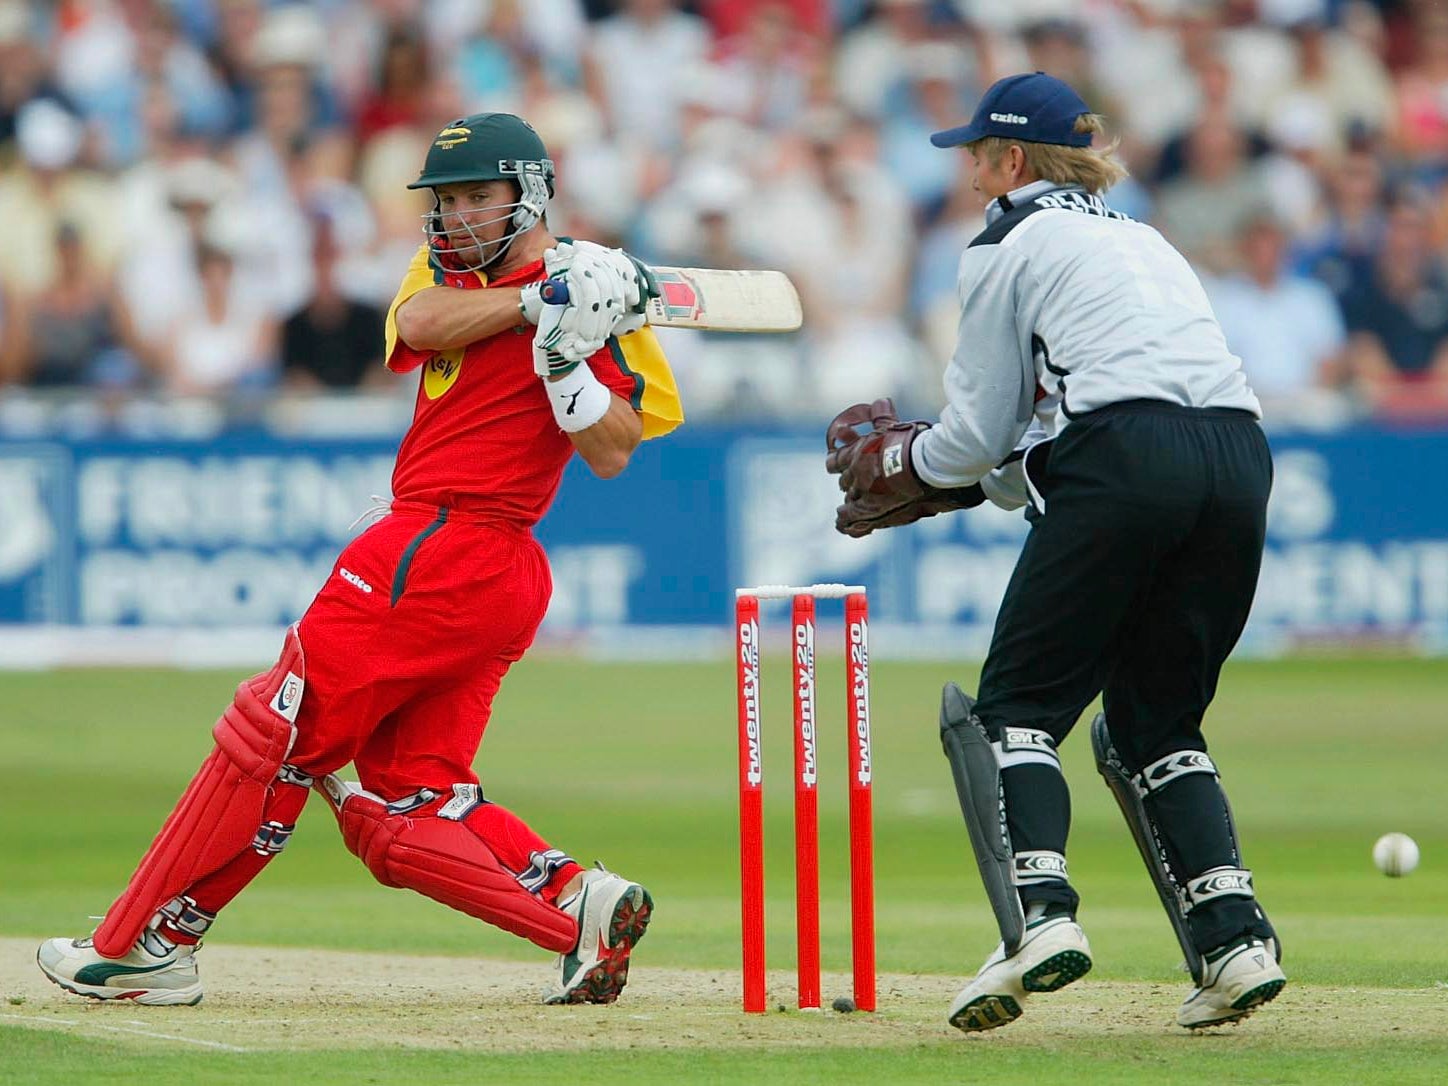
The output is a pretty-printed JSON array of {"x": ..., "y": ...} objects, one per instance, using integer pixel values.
[
  {"x": 1053, "y": 953},
  {"x": 155, "y": 972},
  {"x": 1244, "y": 976},
  {"x": 612, "y": 914}
]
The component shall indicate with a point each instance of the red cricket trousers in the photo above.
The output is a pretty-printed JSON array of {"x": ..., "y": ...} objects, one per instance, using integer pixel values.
[{"x": 406, "y": 645}]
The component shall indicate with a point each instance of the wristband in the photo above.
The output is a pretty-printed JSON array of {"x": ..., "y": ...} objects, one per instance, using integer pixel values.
[{"x": 579, "y": 399}]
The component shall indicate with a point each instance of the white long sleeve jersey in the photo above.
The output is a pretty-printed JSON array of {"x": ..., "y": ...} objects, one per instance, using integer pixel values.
[{"x": 1067, "y": 306}]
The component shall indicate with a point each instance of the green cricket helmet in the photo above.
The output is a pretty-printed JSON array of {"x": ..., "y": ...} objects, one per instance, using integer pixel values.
[{"x": 486, "y": 147}]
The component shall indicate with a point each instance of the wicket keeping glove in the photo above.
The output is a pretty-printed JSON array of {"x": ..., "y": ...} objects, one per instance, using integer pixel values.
[{"x": 876, "y": 473}]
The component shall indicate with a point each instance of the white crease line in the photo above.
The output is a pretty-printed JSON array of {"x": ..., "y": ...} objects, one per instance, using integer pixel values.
[{"x": 122, "y": 1029}]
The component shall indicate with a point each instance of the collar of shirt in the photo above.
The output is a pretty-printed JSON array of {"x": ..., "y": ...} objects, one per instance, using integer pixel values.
[
  {"x": 1001, "y": 204},
  {"x": 526, "y": 274},
  {"x": 474, "y": 280}
]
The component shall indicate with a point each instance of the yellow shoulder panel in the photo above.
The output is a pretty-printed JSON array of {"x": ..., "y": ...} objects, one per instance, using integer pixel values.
[
  {"x": 656, "y": 395},
  {"x": 420, "y": 275}
]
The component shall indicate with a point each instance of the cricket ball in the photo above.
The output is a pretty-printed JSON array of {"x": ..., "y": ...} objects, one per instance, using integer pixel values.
[{"x": 1396, "y": 854}]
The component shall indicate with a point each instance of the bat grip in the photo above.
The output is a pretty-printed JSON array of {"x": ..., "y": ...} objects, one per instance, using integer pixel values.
[{"x": 554, "y": 292}]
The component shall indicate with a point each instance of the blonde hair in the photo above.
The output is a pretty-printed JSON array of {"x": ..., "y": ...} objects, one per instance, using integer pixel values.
[{"x": 1094, "y": 169}]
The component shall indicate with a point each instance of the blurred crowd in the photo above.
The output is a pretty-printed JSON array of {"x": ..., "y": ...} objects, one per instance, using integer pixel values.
[{"x": 207, "y": 197}]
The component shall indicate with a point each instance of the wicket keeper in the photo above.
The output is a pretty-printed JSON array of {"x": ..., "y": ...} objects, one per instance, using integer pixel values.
[{"x": 1092, "y": 385}]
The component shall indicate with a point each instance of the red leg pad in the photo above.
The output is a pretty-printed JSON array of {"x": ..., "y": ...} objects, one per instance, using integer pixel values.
[
  {"x": 447, "y": 862},
  {"x": 218, "y": 815}
]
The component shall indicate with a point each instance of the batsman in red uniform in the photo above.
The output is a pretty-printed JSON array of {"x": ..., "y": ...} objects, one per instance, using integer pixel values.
[{"x": 395, "y": 664}]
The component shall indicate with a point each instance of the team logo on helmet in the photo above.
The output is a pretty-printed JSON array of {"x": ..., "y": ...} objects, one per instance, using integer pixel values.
[{"x": 451, "y": 137}]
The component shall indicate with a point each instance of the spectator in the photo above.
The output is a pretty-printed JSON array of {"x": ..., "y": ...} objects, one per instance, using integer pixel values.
[
  {"x": 157, "y": 277},
  {"x": 108, "y": 54},
  {"x": 1339, "y": 75},
  {"x": 1340, "y": 252},
  {"x": 641, "y": 60},
  {"x": 1284, "y": 327},
  {"x": 23, "y": 72},
  {"x": 696, "y": 222},
  {"x": 1058, "y": 46},
  {"x": 398, "y": 97},
  {"x": 142, "y": 190},
  {"x": 855, "y": 292},
  {"x": 730, "y": 17},
  {"x": 74, "y": 332},
  {"x": 1165, "y": 73},
  {"x": 1200, "y": 212},
  {"x": 229, "y": 343},
  {"x": 1302, "y": 140},
  {"x": 765, "y": 70},
  {"x": 358, "y": 36},
  {"x": 1422, "y": 108},
  {"x": 564, "y": 116},
  {"x": 487, "y": 66},
  {"x": 871, "y": 63},
  {"x": 333, "y": 342},
  {"x": 238, "y": 22},
  {"x": 46, "y": 189},
  {"x": 1397, "y": 315},
  {"x": 292, "y": 101},
  {"x": 1215, "y": 105},
  {"x": 935, "y": 102},
  {"x": 934, "y": 303}
]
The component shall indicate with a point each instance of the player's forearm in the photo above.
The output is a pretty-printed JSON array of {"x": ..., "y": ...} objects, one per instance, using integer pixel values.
[
  {"x": 607, "y": 445},
  {"x": 444, "y": 318}
]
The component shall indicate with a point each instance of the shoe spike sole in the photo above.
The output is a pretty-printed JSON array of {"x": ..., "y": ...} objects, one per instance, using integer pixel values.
[
  {"x": 986, "y": 1012},
  {"x": 1057, "y": 971},
  {"x": 606, "y": 980}
]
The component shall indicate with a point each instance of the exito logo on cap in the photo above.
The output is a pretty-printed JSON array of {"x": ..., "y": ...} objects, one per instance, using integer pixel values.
[{"x": 1032, "y": 107}]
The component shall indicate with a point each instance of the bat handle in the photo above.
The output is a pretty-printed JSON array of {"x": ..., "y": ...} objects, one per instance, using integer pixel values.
[{"x": 554, "y": 292}]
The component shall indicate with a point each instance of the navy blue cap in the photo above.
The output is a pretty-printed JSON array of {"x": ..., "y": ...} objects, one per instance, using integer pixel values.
[{"x": 1033, "y": 108}]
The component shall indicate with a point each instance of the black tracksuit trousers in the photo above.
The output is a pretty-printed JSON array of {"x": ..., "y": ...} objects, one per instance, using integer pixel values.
[{"x": 1134, "y": 583}]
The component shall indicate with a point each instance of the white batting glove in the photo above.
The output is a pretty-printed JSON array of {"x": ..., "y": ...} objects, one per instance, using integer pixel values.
[
  {"x": 530, "y": 302},
  {"x": 630, "y": 322},
  {"x": 623, "y": 278},
  {"x": 569, "y": 333},
  {"x": 640, "y": 283},
  {"x": 548, "y": 361},
  {"x": 557, "y": 259},
  {"x": 594, "y": 292}
]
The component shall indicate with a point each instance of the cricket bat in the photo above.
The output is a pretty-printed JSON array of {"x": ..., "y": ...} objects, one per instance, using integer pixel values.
[{"x": 713, "y": 299}]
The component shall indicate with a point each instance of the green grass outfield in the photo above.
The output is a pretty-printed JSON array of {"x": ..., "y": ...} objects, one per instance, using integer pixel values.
[{"x": 635, "y": 765}]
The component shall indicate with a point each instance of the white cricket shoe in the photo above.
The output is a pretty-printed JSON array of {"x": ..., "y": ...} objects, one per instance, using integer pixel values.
[
  {"x": 1244, "y": 976},
  {"x": 1053, "y": 953},
  {"x": 154, "y": 972},
  {"x": 612, "y": 914}
]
